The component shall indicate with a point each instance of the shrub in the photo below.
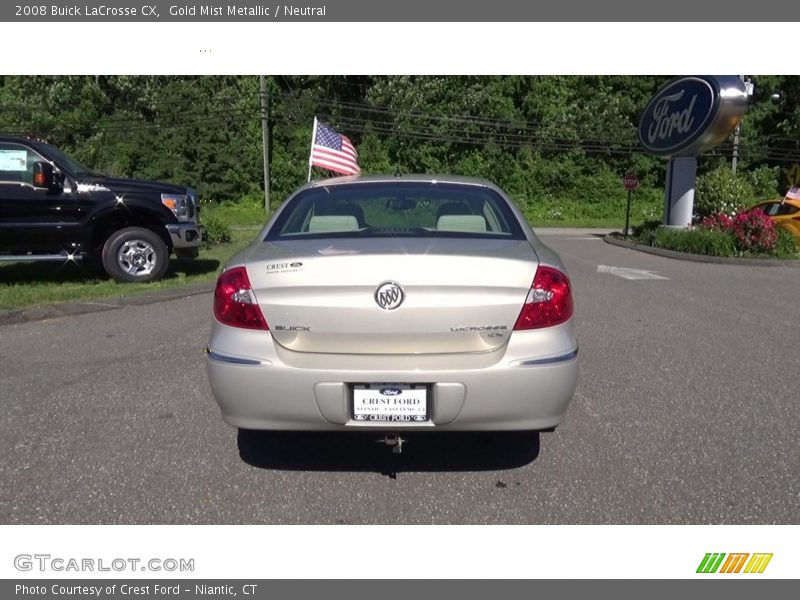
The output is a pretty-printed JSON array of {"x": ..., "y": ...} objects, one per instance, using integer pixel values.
[
  {"x": 721, "y": 191},
  {"x": 646, "y": 232},
  {"x": 217, "y": 230},
  {"x": 749, "y": 232},
  {"x": 764, "y": 181},
  {"x": 787, "y": 245},
  {"x": 717, "y": 222},
  {"x": 646, "y": 227},
  {"x": 697, "y": 240},
  {"x": 753, "y": 232}
]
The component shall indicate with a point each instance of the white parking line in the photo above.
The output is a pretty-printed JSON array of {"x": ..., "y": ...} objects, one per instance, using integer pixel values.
[{"x": 627, "y": 273}]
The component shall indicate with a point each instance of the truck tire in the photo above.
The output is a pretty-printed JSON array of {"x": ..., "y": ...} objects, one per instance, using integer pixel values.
[{"x": 135, "y": 254}]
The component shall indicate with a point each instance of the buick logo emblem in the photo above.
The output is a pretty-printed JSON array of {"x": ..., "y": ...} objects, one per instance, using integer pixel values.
[{"x": 389, "y": 295}]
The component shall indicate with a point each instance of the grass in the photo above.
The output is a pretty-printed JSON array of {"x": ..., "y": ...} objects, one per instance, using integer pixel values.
[
  {"x": 695, "y": 241},
  {"x": 32, "y": 284},
  {"x": 236, "y": 214},
  {"x": 607, "y": 214}
]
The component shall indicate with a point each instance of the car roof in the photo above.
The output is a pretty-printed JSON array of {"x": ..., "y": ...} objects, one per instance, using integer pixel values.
[
  {"x": 385, "y": 177},
  {"x": 791, "y": 201},
  {"x": 407, "y": 178}
]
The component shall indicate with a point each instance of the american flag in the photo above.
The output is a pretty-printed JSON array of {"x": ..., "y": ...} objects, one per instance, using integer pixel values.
[
  {"x": 793, "y": 193},
  {"x": 333, "y": 151}
]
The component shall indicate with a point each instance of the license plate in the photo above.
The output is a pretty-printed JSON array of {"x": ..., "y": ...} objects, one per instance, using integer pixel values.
[{"x": 390, "y": 402}]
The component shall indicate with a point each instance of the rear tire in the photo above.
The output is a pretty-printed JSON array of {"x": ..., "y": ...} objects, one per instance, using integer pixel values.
[{"x": 135, "y": 255}]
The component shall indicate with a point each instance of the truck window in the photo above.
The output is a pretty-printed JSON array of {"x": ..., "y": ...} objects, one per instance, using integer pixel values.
[{"x": 16, "y": 163}]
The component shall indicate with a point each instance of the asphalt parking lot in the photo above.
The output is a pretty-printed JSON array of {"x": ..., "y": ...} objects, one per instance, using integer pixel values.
[{"x": 686, "y": 412}]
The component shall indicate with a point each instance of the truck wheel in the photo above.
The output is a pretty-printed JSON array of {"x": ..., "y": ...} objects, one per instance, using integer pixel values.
[{"x": 135, "y": 254}]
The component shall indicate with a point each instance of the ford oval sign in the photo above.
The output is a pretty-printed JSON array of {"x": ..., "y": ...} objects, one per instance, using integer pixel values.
[{"x": 692, "y": 114}]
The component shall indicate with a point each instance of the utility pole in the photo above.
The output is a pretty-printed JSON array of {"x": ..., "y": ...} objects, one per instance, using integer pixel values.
[{"x": 265, "y": 137}]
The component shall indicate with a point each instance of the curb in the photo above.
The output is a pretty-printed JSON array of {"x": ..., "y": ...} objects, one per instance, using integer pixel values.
[
  {"x": 720, "y": 260},
  {"x": 71, "y": 309}
]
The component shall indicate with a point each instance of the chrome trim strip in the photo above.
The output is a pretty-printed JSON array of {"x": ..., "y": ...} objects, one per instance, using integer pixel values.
[
  {"x": 223, "y": 358},
  {"x": 535, "y": 362},
  {"x": 39, "y": 257}
]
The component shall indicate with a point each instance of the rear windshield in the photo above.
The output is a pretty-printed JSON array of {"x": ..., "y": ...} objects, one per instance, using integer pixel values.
[{"x": 396, "y": 209}]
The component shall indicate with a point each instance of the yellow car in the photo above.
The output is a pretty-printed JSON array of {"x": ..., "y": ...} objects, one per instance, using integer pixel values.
[{"x": 784, "y": 214}]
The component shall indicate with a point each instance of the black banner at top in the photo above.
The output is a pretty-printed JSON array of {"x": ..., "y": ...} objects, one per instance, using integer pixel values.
[{"x": 399, "y": 11}]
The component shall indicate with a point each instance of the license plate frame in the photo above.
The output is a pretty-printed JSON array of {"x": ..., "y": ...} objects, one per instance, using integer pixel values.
[{"x": 394, "y": 403}]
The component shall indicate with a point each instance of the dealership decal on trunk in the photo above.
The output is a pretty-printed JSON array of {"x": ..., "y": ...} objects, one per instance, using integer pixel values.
[
  {"x": 389, "y": 295},
  {"x": 286, "y": 267}
]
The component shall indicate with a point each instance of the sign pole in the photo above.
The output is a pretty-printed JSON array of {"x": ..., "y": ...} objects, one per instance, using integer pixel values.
[
  {"x": 679, "y": 193},
  {"x": 265, "y": 137},
  {"x": 628, "y": 215},
  {"x": 311, "y": 150},
  {"x": 630, "y": 182}
]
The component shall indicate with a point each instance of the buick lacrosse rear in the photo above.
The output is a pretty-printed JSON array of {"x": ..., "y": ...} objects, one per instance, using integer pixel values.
[{"x": 394, "y": 304}]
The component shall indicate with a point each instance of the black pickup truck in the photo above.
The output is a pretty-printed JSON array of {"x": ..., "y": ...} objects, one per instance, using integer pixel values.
[{"x": 53, "y": 208}]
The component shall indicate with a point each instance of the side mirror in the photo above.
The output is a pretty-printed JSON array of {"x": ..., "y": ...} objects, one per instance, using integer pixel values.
[{"x": 44, "y": 175}]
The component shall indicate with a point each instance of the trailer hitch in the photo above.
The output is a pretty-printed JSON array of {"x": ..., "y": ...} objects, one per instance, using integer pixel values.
[{"x": 394, "y": 440}]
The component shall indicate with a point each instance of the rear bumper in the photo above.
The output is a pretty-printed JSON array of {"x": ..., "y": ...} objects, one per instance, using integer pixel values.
[
  {"x": 185, "y": 235},
  {"x": 510, "y": 389}
]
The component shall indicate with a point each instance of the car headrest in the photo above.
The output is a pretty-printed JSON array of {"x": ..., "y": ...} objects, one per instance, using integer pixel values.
[
  {"x": 466, "y": 223},
  {"x": 332, "y": 223}
]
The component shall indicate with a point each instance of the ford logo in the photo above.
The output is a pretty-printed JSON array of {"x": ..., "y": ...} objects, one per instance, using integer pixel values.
[
  {"x": 389, "y": 295},
  {"x": 678, "y": 114},
  {"x": 391, "y": 391},
  {"x": 690, "y": 115}
]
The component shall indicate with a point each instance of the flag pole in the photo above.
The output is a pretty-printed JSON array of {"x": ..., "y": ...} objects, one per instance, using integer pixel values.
[{"x": 311, "y": 150}]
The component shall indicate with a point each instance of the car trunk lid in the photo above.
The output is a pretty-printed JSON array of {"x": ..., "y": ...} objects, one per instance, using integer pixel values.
[{"x": 392, "y": 295}]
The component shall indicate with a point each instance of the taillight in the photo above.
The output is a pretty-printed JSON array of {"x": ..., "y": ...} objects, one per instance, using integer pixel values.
[
  {"x": 549, "y": 300},
  {"x": 235, "y": 303}
]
